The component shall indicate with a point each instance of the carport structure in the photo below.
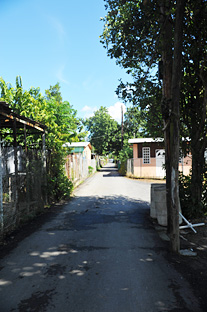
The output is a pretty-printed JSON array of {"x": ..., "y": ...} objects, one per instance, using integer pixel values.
[{"x": 18, "y": 125}]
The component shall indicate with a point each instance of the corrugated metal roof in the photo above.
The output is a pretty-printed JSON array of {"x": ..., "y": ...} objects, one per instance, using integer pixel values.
[
  {"x": 8, "y": 117},
  {"x": 77, "y": 144}
]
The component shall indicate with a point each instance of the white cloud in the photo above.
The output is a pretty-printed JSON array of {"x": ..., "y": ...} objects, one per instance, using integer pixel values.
[
  {"x": 59, "y": 28},
  {"x": 115, "y": 111},
  {"x": 86, "y": 108},
  {"x": 88, "y": 111},
  {"x": 60, "y": 75}
]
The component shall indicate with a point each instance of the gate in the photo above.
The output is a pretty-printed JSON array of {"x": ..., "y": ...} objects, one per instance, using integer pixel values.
[{"x": 160, "y": 162}]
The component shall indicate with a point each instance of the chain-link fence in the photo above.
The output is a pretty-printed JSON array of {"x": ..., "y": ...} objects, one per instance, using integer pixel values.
[
  {"x": 130, "y": 167},
  {"x": 23, "y": 186}
]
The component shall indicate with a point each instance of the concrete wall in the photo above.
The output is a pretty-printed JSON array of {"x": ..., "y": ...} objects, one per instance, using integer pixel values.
[
  {"x": 144, "y": 170},
  {"x": 136, "y": 167},
  {"x": 87, "y": 153}
]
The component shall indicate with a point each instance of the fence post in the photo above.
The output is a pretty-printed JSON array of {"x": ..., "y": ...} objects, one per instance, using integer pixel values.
[
  {"x": 16, "y": 168},
  {"x": 44, "y": 168},
  {"x": 1, "y": 193}
]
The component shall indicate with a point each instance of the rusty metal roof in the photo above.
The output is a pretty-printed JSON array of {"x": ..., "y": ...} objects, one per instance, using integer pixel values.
[{"x": 8, "y": 117}]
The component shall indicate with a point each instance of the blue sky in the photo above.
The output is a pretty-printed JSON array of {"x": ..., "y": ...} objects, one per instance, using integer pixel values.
[{"x": 47, "y": 41}]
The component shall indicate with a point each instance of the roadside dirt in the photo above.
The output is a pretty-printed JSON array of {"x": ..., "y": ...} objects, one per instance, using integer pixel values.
[
  {"x": 193, "y": 268},
  {"x": 11, "y": 240}
]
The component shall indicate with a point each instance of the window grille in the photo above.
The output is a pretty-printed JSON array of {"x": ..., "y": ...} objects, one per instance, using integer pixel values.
[{"x": 146, "y": 155}]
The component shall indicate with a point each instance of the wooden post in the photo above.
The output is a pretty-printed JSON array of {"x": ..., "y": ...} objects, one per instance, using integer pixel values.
[
  {"x": 44, "y": 168},
  {"x": 25, "y": 138},
  {"x": 1, "y": 193},
  {"x": 122, "y": 127},
  {"x": 16, "y": 167}
]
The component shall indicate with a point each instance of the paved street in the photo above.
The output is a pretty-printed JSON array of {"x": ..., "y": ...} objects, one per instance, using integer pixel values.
[{"x": 99, "y": 254}]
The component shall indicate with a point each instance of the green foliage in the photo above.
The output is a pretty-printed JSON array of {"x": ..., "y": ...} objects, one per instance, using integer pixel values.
[
  {"x": 62, "y": 126},
  {"x": 59, "y": 186},
  {"x": 125, "y": 153},
  {"x": 122, "y": 167},
  {"x": 130, "y": 32},
  {"x": 54, "y": 92},
  {"x": 190, "y": 207},
  {"x": 105, "y": 132},
  {"x": 90, "y": 169},
  {"x": 185, "y": 195},
  {"x": 132, "y": 35},
  {"x": 144, "y": 119},
  {"x": 134, "y": 124}
]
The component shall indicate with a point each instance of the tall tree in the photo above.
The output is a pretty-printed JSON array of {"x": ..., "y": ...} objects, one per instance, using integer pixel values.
[
  {"x": 173, "y": 215},
  {"x": 145, "y": 115},
  {"x": 193, "y": 95},
  {"x": 105, "y": 132},
  {"x": 137, "y": 34},
  {"x": 54, "y": 92}
]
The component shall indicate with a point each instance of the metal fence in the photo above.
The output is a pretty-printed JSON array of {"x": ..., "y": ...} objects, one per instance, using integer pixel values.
[
  {"x": 78, "y": 168},
  {"x": 130, "y": 167},
  {"x": 23, "y": 182},
  {"x": 22, "y": 186}
]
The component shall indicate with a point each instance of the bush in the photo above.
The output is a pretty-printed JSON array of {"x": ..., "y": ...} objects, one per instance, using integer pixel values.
[
  {"x": 90, "y": 169},
  {"x": 190, "y": 209},
  {"x": 122, "y": 167},
  {"x": 185, "y": 195}
]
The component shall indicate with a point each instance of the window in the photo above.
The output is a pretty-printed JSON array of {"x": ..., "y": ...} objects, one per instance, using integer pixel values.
[{"x": 146, "y": 155}]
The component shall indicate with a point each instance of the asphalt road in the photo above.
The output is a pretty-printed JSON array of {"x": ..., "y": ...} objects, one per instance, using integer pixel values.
[{"x": 99, "y": 254}]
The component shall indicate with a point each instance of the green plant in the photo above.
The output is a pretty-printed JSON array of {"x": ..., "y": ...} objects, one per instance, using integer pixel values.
[
  {"x": 90, "y": 169},
  {"x": 122, "y": 167},
  {"x": 189, "y": 208}
]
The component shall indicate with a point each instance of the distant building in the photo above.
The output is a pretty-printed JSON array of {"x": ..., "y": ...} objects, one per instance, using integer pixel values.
[
  {"x": 83, "y": 148},
  {"x": 149, "y": 158}
]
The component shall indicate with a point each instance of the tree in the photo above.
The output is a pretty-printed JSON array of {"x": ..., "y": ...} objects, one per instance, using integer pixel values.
[
  {"x": 105, "y": 132},
  {"x": 193, "y": 96},
  {"x": 138, "y": 34},
  {"x": 133, "y": 34},
  {"x": 144, "y": 118},
  {"x": 54, "y": 92},
  {"x": 134, "y": 123}
]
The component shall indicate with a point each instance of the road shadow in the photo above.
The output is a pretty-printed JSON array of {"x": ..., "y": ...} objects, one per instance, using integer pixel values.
[
  {"x": 90, "y": 211},
  {"x": 110, "y": 171}
]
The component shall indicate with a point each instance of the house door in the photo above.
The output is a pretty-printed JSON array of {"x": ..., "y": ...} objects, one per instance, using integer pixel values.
[{"x": 160, "y": 161}]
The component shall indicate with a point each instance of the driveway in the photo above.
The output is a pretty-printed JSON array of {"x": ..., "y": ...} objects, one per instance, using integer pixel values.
[{"x": 100, "y": 253}]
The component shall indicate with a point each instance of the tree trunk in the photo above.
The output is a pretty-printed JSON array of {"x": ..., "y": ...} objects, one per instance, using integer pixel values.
[
  {"x": 175, "y": 126},
  {"x": 171, "y": 113},
  {"x": 166, "y": 30}
]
